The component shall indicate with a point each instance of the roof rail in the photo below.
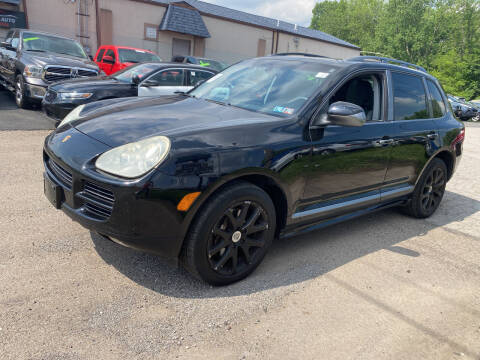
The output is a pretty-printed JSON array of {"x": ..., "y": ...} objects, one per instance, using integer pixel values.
[
  {"x": 300, "y": 54},
  {"x": 387, "y": 61}
]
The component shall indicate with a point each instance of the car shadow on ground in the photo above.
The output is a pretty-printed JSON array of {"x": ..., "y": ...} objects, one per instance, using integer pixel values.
[{"x": 290, "y": 260}]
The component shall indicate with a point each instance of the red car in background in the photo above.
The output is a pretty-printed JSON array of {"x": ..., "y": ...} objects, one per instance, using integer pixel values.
[{"x": 111, "y": 58}]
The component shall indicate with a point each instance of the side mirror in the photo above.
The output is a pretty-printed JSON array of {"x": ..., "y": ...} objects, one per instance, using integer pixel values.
[
  {"x": 108, "y": 59},
  {"x": 343, "y": 114},
  {"x": 136, "y": 80},
  {"x": 7, "y": 46},
  {"x": 4, "y": 44},
  {"x": 90, "y": 57},
  {"x": 150, "y": 83}
]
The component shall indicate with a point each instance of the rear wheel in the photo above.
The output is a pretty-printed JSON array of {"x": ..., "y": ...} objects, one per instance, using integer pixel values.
[
  {"x": 231, "y": 236},
  {"x": 429, "y": 190},
  {"x": 20, "y": 98}
]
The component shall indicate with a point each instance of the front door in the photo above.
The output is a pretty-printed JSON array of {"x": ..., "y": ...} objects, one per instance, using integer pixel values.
[{"x": 348, "y": 164}]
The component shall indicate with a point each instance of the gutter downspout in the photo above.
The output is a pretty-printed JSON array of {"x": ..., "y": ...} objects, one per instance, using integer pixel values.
[
  {"x": 97, "y": 25},
  {"x": 24, "y": 2}
]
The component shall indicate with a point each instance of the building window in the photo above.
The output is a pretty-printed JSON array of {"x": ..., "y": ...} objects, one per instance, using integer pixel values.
[{"x": 151, "y": 32}]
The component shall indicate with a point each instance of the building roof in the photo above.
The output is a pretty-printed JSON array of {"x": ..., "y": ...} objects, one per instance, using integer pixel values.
[
  {"x": 185, "y": 21},
  {"x": 262, "y": 21}
]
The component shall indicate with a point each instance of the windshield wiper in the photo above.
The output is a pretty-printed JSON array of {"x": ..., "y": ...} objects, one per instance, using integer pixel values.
[
  {"x": 36, "y": 50},
  {"x": 217, "y": 102}
]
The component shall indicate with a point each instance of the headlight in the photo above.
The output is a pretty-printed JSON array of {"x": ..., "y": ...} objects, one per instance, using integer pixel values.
[
  {"x": 72, "y": 115},
  {"x": 74, "y": 95},
  {"x": 33, "y": 71},
  {"x": 135, "y": 159}
]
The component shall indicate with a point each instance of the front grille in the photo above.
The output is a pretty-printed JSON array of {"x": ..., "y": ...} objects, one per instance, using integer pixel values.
[
  {"x": 50, "y": 96},
  {"x": 61, "y": 174},
  {"x": 58, "y": 73},
  {"x": 98, "y": 201}
]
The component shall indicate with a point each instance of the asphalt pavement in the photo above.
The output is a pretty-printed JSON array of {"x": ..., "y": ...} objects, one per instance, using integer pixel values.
[
  {"x": 384, "y": 286},
  {"x": 12, "y": 118}
]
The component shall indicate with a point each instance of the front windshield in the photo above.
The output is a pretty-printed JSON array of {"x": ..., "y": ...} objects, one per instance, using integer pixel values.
[
  {"x": 129, "y": 73},
  {"x": 277, "y": 87},
  {"x": 136, "y": 56},
  {"x": 43, "y": 43}
]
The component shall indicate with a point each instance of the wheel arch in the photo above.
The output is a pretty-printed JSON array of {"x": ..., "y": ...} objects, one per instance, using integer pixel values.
[
  {"x": 447, "y": 157},
  {"x": 265, "y": 181}
]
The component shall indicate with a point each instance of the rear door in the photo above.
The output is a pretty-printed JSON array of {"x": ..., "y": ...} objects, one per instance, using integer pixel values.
[
  {"x": 168, "y": 80},
  {"x": 415, "y": 131}
]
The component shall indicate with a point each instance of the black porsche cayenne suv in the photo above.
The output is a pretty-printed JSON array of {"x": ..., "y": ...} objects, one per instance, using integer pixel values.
[{"x": 270, "y": 147}]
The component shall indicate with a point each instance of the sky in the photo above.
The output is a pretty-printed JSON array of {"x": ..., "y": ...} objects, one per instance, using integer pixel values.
[{"x": 294, "y": 11}]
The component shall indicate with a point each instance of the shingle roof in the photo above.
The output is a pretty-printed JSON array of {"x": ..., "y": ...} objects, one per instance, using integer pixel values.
[
  {"x": 185, "y": 21},
  {"x": 224, "y": 12}
]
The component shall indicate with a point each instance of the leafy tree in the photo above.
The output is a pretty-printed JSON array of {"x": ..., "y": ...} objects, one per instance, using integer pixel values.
[{"x": 441, "y": 35}]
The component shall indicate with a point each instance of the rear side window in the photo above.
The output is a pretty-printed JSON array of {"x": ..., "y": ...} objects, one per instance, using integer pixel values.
[
  {"x": 196, "y": 76},
  {"x": 436, "y": 99},
  {"x": 410, "y": 101},
  {"x": 100, "y": 55}
]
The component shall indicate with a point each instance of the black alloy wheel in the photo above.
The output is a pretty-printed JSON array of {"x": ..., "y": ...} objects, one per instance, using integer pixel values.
[
  {"x": 230, "y": 235},
  {"x": 237, "y": 238},
  {"x": 429, "y": 190}
]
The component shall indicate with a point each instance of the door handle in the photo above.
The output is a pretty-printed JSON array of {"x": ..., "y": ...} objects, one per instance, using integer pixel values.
[
  {"x": 385, "y": 142},
  {"x": 432, "y": 136}
]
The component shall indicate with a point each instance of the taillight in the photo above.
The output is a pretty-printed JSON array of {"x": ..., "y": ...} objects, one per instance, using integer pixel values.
[{"x": 458, "y": 139}]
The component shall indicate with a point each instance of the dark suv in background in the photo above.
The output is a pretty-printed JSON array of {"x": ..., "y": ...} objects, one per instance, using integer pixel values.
[
  {"x": 31, "y": 60},
  {"x": 269, "y": 147}
]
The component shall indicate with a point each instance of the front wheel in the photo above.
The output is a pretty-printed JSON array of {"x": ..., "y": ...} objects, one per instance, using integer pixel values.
[
  {"x": 231, "y": 235},
  {"x": 20, "y": 98},
  {"x": 429, "y": 190}
]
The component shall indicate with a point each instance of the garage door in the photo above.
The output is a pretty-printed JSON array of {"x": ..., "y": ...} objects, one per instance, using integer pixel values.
[{"x": 181, "y": 47}]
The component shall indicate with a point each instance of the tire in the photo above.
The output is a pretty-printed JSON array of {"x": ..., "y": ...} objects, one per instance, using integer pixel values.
[
  {"x": 231, "y": 234},
  {"x": 429, "y": 190},
  {"x": 20, "y": 99}
]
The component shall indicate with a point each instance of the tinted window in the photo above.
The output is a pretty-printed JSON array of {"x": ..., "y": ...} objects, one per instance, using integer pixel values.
[
  {"x": 16, "y": 40},
  {"x": 136, "y": 56},
  {"x": 438, "y": 106},
  {"x": 173, "y": 77},
  {"x": 100, "y": 55},
  {"x": 197, "y": 76},
  {"x": 409, "y": 97},
  {"x": 111, "y": 53}
]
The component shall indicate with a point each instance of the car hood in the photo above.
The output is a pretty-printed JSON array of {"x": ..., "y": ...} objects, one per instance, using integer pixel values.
[
  {"x": 49, "y": 58},
  {"x": 122, "y": 121},
  {"x": 88, "y": 84}
]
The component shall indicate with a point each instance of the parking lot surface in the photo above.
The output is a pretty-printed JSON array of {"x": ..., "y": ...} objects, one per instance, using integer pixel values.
[
  {"x": 11, "y": 118},
  {"x": 384, "y": 286}
]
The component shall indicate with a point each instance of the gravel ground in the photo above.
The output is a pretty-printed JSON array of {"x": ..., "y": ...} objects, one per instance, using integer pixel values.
[{"x": 382, "y": 286}]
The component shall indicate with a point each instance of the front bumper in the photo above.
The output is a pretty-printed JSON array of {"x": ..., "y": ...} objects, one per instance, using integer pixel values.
[
  {"x": 56, "y": 108},
  {"x": 130, "y": 213}
]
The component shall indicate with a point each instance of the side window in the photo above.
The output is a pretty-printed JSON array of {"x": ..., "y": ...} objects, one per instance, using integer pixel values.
[
  {"x": 409, "y": 99},
  {"x": 111, "y": 53},
  {"x": 173, "y": 77},
  {"x": 100, "y": 55},
  {"x": 436, "y": 99},
  {"x": 365, "y": 91},
  {"x": 16, "y": 40},
  {"x": 9, "y": 37},
  {"x": 196, "y": 76}
]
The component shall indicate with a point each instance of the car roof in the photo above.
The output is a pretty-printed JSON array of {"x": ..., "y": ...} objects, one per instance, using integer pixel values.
[
  {"x": 177, "y": 65},
  {"x": 43, "y": 33},
  {"x": 353, "y": 62},
  {"x": 127, "y": 47}
]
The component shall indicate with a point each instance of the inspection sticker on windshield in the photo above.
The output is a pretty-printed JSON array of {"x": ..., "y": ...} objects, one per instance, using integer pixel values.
[
  {"x": 322, "y": 75},
  {"x": 283, "y": 110}
]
